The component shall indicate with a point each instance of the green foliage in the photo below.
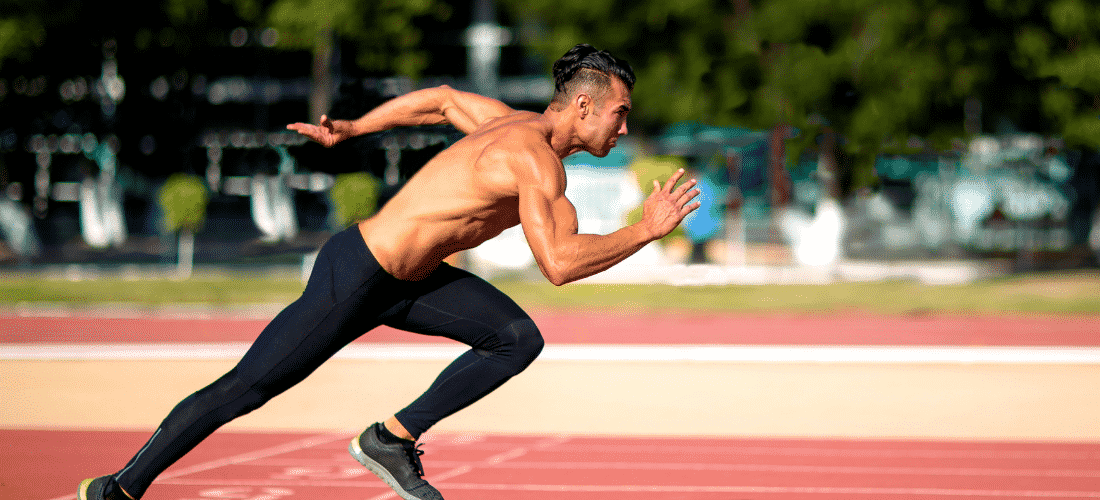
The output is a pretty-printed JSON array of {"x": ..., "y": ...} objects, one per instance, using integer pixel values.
[
  {"x": 387, "y": 39},
  {"x": 195, "y": 11},
  {"x": 654, "y": 168},
  {"x": 875, "y": 71},
  {"x": 19, "y": 35},
  {"x": 354, "y": 198},
  {"x": 183, "y": 200},
  {"x": 185, "y": 11},
  {"x": 1070, "y": 17}
]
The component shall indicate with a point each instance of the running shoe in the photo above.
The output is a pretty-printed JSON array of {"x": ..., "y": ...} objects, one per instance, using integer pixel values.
[
  {"x": 94, "y": 489},
  {"x": 397, "y": 465}
]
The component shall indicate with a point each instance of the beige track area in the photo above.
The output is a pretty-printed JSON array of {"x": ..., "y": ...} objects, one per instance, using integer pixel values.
[{"x": 906, "y": 400}]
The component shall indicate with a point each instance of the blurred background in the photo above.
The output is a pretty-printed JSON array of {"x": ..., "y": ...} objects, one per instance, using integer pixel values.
[{"x": 869, "y": 139}]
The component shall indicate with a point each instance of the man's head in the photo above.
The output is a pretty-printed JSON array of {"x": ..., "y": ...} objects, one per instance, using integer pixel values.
[
  {"x": 585, "y": 69},
  {"x": 594, "y": 86}
]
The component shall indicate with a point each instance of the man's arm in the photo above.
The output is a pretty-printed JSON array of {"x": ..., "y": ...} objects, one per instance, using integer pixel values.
[
  {"x": 550, "y": 225},
  {"x": 434, "y": 106}
]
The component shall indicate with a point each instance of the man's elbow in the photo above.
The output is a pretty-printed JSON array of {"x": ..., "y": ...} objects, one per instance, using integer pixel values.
[
  {"x": 557, "y": 278},
  {"x": 556, "y": 273},
  {"x": 559, "y": 281}
]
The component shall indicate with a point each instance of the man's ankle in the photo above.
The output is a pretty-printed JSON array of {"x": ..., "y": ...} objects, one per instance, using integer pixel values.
[
  {"x": 394, "y": 427},
  {"x": 115, "y": 491},
  {"x": 388, "y": 437}
]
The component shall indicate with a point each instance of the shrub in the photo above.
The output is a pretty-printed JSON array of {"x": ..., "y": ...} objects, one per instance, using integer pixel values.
[
  {"x": 183, "y": 200},
  {"x": 354, "y": 198}
]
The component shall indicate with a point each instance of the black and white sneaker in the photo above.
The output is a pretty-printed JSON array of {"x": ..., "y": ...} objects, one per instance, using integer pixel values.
[{"x": 398, "y": 465}]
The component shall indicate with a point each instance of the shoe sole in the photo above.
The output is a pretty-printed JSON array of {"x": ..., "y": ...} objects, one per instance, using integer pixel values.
[
  {"x": 82, "y": 490},
  {"x": 376, "y": 469}
]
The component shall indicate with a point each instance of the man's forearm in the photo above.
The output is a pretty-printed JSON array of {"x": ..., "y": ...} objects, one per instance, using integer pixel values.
[
  {"x": 584, "y": 255},
  {"x": 421, "y": 107}
]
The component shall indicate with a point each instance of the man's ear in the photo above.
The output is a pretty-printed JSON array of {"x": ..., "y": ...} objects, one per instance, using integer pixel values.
[{"x": 584, "y": 104}]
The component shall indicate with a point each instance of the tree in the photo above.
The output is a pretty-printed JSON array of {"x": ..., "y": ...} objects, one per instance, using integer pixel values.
[
  {"x": 1060, "y": 48},
  {"x": 354, "y": 198},
  {"x": 883, "y": 75},
  {"x": 21, "y": 29},
  {"x": 183, "y": 200},
  {"x": 384, "y": 33}
]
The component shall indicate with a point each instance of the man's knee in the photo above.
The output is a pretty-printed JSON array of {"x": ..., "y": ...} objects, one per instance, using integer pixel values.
[{"x": 525, "y": 341}]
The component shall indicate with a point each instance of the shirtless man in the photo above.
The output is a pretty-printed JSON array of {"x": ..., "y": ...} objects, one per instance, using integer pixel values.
[{"x": 389, "y": 269}]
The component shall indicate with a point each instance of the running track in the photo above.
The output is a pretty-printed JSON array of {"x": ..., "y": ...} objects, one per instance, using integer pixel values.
[{"x": 47, "y": 464}]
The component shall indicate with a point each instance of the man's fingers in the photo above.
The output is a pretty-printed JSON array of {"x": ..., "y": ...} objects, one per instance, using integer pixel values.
[
  {"x": 684, "y": 187},
  {"x": 315, "y": 133},
  {"x": 686, "y": 197},
  {"x": 673, "y": 180},
  {"x": 302, "y": 127},
  {"x": 689, "y": 208}
]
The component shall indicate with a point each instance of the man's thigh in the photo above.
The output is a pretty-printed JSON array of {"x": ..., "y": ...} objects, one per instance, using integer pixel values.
[{"x": 456, "y": 304}]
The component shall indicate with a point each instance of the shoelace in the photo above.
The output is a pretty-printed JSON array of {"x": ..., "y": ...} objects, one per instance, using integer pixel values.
[{"x": 414, "y": 452}]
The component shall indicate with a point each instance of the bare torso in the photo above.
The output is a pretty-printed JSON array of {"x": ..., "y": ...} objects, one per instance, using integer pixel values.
[
  {"x": 462, "y": 197},
  {"x": 506, "y": 171}
]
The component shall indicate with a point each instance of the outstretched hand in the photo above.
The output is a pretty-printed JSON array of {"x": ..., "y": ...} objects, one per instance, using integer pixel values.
[
  {"x": 328, "y": 133},
  {"x": 669, "y": 204}
]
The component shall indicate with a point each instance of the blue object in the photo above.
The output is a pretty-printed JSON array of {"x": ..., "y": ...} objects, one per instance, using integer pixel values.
[{"x": 706, "y": 221}]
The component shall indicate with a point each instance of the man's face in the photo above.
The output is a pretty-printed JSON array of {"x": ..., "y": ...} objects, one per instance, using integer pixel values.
[{"x": 607, "y": 122}]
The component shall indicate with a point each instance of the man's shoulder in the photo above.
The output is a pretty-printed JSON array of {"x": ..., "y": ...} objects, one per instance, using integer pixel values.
[
  {"x": 523, "y": 134},
  {"x": 519, "y": 122}
]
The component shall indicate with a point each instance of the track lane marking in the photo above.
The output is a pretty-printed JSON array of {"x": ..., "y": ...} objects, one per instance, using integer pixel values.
[{"x": 687, "y": 466}]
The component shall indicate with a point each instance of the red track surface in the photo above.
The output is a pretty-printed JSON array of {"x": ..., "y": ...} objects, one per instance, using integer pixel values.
[
  {"x": 48, "y": 464},
  {"x": 471, "y": 466}
]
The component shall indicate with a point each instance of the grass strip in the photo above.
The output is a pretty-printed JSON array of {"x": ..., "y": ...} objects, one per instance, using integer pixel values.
[{"x": 1061, "y": 293}]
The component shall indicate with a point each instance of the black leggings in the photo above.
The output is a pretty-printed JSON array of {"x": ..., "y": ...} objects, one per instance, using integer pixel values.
[{"x": 348, "y": 294}]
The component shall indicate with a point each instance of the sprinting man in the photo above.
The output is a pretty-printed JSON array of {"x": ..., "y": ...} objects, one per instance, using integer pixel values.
[{"x": 389, "y": 269}]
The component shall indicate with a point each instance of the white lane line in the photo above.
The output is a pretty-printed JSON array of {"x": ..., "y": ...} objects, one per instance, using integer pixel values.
[
  {"x": 300, "y": 444},
  {"x": 806, "y": 469},
  {"x": 796, "y": 450},
  {"x": 463, "y": 468},
  {"x": 244, "y": 457},
  {"x": 593, "y": 352}
]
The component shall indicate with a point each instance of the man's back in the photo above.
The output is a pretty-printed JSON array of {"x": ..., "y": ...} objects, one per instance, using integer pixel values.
[{"x": 464, "y": 196}]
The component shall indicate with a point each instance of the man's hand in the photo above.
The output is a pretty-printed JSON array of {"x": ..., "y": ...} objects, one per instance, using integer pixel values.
[
  {"x": 666, "y": 206},
  {"x": 328, "y": 133}
]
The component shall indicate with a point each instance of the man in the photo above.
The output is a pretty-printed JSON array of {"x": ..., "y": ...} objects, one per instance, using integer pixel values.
[{"x": 389, "y": 269}]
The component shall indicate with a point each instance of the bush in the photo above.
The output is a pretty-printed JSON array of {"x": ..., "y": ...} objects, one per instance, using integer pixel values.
[
  {"x": 183, "y": 200},
  {"x": 354, "y": 198},
  {"x": 655, "y": 168}
]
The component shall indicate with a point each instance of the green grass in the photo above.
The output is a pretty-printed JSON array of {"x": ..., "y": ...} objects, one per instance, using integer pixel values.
[
  {"x": 1062, "y": 293},
  {"x": 218, "y": 289},
  {"x": 1056, "y": 294}
]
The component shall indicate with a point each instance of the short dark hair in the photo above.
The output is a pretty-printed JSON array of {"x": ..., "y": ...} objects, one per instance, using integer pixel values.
[{"x": 583, "y": 63}]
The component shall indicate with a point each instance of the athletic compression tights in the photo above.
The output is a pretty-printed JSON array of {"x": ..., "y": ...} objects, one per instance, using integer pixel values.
[{"x": 348, "y": 294}]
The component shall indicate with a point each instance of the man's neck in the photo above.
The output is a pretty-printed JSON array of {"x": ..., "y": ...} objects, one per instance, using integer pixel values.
[{"x": 563, "y": 138}]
